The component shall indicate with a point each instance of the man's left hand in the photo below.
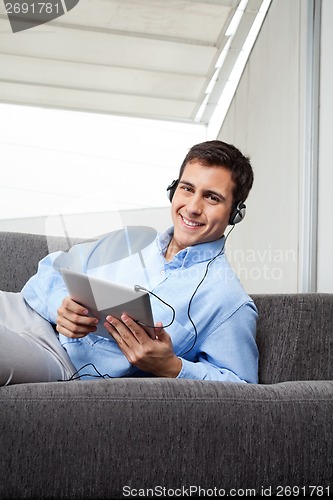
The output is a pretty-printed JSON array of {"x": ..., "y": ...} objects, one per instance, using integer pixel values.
[{"x": 155, "y": 356}]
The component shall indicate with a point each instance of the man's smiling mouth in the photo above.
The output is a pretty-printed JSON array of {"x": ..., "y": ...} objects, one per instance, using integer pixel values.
[{"x": 190, "y": 223}]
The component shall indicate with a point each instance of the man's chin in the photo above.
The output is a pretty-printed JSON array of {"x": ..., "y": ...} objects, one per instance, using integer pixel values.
[{"x": 189, "y": 240}]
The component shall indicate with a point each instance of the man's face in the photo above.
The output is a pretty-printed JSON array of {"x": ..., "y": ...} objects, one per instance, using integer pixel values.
[{"x": 201, "y": 204}]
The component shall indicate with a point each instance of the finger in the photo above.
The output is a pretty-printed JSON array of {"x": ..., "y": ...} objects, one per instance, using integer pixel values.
[
  {"x": 159, "y": 330},
  {"x": 72, "y": 324},
  {"x": 112, "y": 329},
  {"x": 73, "y": 330},
  {"x": 138, "y": 331},
  {"x": 118, "y": 329},
  {"x": 76, "y": 319},
  {"x": 75, "y": 313},
  {"x": 70, "y": 305},
  {"x": 159, "y": 326},
  {"x": 77, "y": 325},
  {"x": 68, "y": 332},
  {"x": 126, "y": 328}
]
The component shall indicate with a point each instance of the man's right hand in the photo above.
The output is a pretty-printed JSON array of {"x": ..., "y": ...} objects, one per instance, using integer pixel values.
[{"x": 73, "y": 320}]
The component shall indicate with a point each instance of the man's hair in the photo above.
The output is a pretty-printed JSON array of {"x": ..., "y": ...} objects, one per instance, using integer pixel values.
[{"x": 225, "y": 155}]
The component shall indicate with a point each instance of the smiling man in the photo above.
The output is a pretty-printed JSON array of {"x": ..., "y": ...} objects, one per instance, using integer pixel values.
[
  {"x": 201, "y": 205},
  {"x": 212, "y": 334}
]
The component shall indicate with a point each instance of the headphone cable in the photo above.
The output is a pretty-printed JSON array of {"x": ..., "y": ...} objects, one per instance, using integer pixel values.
[
  {"x": 139, "y": 288},
  {"x": 197, "y": 287}
]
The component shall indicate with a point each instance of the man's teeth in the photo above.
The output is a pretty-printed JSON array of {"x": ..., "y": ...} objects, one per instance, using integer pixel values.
[{"x": 189, "y": 223}]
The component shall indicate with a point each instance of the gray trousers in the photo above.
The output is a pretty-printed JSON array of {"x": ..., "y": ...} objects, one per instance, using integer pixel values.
[{"x": 29, "y": 348}]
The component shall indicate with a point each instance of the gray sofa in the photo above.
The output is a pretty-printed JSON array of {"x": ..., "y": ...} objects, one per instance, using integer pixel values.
[{"x": 127, "y": 438}]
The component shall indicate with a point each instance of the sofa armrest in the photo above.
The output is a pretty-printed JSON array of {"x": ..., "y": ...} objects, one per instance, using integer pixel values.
[{"x": 294, "y": 337}]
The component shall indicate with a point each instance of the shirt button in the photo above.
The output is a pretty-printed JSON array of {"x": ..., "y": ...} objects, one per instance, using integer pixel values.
[{"x": 163, "y": 272}]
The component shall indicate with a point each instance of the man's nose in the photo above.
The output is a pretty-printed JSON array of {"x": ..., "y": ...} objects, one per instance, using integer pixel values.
[{"x": 194, "y": 205}]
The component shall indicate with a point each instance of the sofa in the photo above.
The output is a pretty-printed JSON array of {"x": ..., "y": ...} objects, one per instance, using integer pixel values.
[{"x": 130, "y": 438}]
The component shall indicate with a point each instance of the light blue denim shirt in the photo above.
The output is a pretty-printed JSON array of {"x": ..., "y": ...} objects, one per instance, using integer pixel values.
[{"x": 214, "y": 337}]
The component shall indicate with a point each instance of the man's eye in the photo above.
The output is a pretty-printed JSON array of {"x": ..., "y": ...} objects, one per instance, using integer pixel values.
[{"x": 213, "y": 198}]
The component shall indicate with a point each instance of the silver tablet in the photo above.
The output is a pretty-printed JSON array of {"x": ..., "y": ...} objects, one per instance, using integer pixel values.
[{"x": 104, "y": 297}]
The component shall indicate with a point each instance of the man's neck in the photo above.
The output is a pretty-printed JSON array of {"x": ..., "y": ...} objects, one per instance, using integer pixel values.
[{"x": 171, "y": 250}]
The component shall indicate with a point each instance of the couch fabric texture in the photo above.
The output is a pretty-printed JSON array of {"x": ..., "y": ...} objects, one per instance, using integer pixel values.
[{"x": 109, "y": 438}]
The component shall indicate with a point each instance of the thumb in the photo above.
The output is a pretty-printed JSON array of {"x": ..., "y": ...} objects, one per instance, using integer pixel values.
[{"x": 159, "y": 331}]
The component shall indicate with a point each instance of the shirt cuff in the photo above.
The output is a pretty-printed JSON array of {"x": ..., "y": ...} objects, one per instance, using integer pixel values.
[{"x": 187, "y": 370}]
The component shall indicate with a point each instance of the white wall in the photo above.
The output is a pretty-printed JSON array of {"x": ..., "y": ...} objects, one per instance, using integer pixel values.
[
  {"x": 286, "y": 242},
  {"x": 264, "y": 121},
  {"x": 325, "y": 233}
]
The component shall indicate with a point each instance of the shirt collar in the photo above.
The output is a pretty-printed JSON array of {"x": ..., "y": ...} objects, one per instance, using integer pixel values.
[{"x": 192, "y": 254}]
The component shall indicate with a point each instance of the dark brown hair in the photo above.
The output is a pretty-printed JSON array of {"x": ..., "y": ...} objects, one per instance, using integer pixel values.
[{"x": 220, "y": 153}]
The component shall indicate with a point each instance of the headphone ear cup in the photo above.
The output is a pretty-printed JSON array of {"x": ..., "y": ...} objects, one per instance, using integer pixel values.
[
  {"x": 237, "y": 214},
  {"x": 172, "y": 188}
]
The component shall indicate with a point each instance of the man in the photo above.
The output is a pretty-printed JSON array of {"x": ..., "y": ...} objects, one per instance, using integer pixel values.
[{"x": 212, "y": 336}]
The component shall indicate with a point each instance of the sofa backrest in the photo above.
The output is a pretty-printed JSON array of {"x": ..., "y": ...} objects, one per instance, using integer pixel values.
[
  {"x": 295, "y": 337},
  {"x": 20, "y": 254},
  {"x": 295, "y": 331}
]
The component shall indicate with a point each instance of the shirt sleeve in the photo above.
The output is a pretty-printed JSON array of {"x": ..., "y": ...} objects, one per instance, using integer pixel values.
[
  {"x": 45, "y": 291},
  {"x": 230, "y": 353}
]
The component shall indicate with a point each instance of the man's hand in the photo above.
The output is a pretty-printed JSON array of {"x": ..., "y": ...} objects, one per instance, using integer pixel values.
[
  {"x": 73, "y": 320},
  {"x": 153, "y": 356}
]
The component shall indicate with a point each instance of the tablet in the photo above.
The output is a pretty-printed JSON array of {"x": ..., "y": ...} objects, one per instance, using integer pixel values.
[{"x": 102, "y": 297}]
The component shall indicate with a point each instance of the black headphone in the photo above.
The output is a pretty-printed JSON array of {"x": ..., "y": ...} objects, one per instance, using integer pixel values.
[{"x": 237, "y": 213}]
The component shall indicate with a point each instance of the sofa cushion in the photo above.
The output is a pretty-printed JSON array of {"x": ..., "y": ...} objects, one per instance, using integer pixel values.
[{"x": 103, "y": 439}]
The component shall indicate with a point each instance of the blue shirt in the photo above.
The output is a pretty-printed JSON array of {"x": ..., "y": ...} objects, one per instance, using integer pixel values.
[{"x": 215, "y": 324}]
